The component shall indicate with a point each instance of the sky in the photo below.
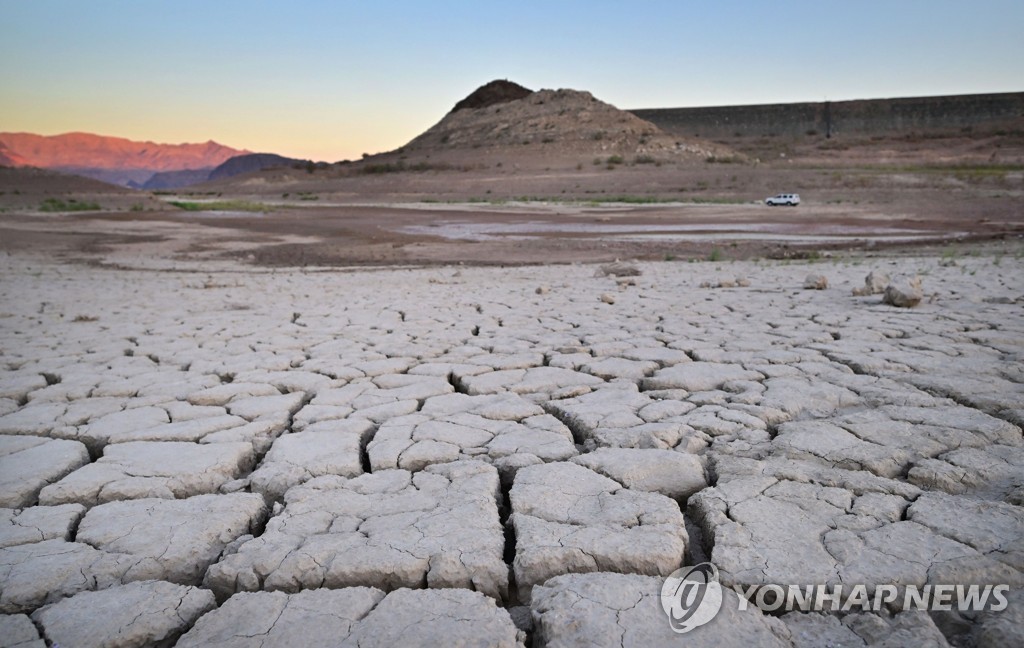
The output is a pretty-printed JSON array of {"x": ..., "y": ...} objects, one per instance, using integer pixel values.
[{"x": 333, "y": 79}]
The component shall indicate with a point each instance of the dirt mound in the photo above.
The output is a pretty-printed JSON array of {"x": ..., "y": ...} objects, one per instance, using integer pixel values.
[
  {"x": 547, "y": 125},
  {"x": 495, "y": 92}
]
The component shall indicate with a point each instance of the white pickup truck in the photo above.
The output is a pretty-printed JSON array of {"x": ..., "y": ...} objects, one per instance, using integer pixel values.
[{"x": 791, "y": 200}]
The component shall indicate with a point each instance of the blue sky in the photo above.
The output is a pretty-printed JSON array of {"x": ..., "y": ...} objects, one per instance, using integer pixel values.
[{"x": 331, "y": 80}]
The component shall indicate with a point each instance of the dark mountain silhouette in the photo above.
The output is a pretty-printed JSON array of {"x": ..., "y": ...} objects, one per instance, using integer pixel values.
[
  {"x": 253, "y": 162},
  {"x": 490, "y": 94}
]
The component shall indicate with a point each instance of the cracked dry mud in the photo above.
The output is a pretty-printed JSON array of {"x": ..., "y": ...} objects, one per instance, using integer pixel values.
[{"x": 453, "y": 456}]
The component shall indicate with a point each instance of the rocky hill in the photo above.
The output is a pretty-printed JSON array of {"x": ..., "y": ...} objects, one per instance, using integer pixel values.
[
  {"x": 503, "y": 119},
  {"x": 111, "y": 159}
]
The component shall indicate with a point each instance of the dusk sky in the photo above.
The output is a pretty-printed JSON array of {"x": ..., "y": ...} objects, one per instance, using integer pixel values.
[{"x": 331, "y": 80}]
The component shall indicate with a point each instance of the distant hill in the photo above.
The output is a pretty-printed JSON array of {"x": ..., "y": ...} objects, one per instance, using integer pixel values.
[
  {"x": 253, "y": 162},
  {"x": 237, "y": 165},
  {"x": 9, "y": 158},
  {"x": 174, "y": 179},
  {"x": 110, "y": 159}
]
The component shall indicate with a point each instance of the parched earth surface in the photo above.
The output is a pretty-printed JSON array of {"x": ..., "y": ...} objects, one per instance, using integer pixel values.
[{"x": 503, "y": 457}]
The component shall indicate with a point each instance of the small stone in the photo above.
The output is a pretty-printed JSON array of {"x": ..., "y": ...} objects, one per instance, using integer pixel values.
[
  {"x": 904, "y": 294},
  {"x": 618, "y": 269},
  {"x": 815, "y": 282},
  {"x": 608, "y": 298}
]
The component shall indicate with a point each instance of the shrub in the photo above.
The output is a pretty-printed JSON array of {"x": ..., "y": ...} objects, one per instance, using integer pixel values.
[{"x": 58, "y": 205}]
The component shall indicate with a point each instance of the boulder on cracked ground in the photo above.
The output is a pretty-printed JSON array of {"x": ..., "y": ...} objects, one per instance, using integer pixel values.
[
  {"x": 625, "y": 611},
  {"x": 355, "y": 616},
  {"x": 438, "y": 527},
  {"x": 569, "y": 519},
  {"x": 143, "y": 614},
  {"x": 173, "y": 540},
  {"x": 28, "y": 464},
  {"x": 903, "y": 293},
  {"x": 141, "y": 469}
]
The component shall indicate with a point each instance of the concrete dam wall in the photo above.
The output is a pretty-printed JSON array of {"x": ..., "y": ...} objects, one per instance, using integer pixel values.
[{"x": 860, "y": 117}]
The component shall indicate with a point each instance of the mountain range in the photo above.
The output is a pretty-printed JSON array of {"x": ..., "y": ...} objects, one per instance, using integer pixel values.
[{"x": 130, "y": 163}]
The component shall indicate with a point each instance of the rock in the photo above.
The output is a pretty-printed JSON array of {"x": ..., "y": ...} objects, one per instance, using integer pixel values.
[
  {"x": 876, "y": 282},
  {"x": 174, "y": 540},
  {"x": 815, "y": 282},
  {"x": 904, "y": 294},
  {"x": 618, "y": 269},
  {"x": 569, "y": 519},
  {"x": 388, "y": 529},
  {"x": 543, "y": 290},
  {"x": 673, "y": 474},
  {"x": 608, "y": 298},
  {"x": 726, "y": 282},
  {"x": 38, "y": 523},
  {"x": 142, "y": 469},
  {"x": 150, "y": 613},
  {"x": 27, "y": 464},
  {"x": 603, "y": 609}
]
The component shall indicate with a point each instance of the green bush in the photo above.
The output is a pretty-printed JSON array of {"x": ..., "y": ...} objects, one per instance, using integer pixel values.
[
  {"x": 221, "y": 205},
  {"x": 72, "y": 205}
]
